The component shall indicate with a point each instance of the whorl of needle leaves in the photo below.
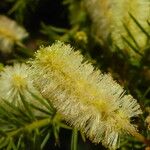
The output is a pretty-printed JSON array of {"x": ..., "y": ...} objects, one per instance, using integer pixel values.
[{"x": 89, "y": 100}]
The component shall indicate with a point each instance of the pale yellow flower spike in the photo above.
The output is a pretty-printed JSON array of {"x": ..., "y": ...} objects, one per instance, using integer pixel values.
[
  {"x": 108, "y": 17},
  {"x": 10, "y": 34},
  {"x": 89, "y": 100}
]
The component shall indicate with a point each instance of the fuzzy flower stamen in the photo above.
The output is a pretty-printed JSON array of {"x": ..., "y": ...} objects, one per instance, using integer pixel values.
[{"x": 14, "y": 80}]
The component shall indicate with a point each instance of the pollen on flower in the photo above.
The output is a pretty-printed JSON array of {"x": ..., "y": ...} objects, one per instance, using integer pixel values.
[
  {"x": 18, "y": 81},
  {"x": 10, "y": 34},
  {"x": 89, "y": 100}
]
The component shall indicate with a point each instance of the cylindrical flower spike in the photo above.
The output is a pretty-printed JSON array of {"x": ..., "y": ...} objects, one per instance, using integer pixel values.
[
  {"x": 10, "y": 34},
  {"x": 89, "y": 100},
  {"x": 111, "y": 18}
]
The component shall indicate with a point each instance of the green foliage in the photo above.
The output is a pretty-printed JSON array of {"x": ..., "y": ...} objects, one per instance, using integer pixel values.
[
  {"x": 28, "y": 126},
  {"x": 135, "y": 47},
  {"x": 21, "y": 7}
]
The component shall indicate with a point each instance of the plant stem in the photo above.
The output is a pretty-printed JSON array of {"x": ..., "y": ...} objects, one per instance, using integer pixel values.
[
  {"x": 74, "y": 140},
  {"x": 30, "y": 127}
]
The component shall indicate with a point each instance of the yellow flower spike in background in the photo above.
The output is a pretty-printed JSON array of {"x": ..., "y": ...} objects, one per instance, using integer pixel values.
[
  {"x": 10, "y": 34},
  {"x": 111, "y": 17},
  {"x": 13, "y": 82},
  {"x": 89, "y": 100}
]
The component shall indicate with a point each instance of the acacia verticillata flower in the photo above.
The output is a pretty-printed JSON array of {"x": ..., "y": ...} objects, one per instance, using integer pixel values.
[
  {"x": 111, "y": 18},
  {"x": 87, "y": 99},
  {"x": 10, "y": 34},
  {"x": 14, "y": 81}
]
